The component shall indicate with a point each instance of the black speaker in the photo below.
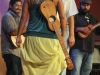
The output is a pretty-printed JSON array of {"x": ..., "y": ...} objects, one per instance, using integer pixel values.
[{"x": 95, "y": 69}]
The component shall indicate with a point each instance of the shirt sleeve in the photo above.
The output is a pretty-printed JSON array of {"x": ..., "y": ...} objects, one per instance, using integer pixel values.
[
  {"x": 97, "y": 30},
  {"x": 8, "y": 23},
  {"x": 70, "y": 7}
]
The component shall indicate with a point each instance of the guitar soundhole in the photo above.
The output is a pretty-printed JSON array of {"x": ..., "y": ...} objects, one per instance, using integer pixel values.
[{"x": 52, "y": 19}]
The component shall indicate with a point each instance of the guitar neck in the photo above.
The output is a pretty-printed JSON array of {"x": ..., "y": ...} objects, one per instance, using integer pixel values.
[
  {"x": 61, "y": 41},
  {"x": 96, "y": 25}
]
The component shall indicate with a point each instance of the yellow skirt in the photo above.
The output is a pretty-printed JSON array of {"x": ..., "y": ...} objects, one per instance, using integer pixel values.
[{"x": 42, "y": 56}]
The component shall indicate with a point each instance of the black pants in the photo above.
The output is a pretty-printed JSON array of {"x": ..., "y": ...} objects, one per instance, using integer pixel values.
[{"x": 13, "y": 64}]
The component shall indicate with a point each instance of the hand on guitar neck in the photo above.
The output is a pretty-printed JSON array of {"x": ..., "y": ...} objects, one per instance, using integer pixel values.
[{"x": 83, "y": 32}]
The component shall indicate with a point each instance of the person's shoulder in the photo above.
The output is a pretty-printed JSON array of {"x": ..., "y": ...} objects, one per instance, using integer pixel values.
[
  {"x": 78, "y": 14},
  {"x": 7, "y": 15},
  {"x": 93, "y": 18},
  {"x": 92, "y": 15}
]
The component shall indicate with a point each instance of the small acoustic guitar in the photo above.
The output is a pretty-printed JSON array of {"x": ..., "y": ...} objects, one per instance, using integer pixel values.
[
  {"x": 13, "y": 40},
  {"x": 48, "y": 10},
  {"x": 90, "y": 29}
]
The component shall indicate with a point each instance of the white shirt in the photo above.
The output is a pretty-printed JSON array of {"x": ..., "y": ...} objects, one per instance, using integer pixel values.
[{"x": 70, "y": 7}]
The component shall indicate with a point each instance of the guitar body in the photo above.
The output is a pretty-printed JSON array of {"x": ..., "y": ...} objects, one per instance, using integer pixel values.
[
  {"x": 83, "y": 35},
  {"x": 48, "y": 10},
  {"x": 13, "y": 39},
  {"x": 90, "y": 29}
]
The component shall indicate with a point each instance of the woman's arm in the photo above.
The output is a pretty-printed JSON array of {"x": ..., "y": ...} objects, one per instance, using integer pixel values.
[
  {"x": 71, "y": 39},
  {"x": 23, "y": 18},
  {"x": 22, "y": 22},
  {"x": 62, "y": 17}
]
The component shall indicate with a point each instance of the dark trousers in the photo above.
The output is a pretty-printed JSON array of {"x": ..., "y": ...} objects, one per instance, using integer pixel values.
[{"x": 13, "y": 64}]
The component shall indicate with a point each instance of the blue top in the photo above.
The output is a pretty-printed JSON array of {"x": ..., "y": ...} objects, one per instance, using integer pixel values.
[{"x": 37, "y": 25}]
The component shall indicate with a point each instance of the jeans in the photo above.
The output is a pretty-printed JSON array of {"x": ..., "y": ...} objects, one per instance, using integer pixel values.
[
  {"x": 82, "y": 62},
  {"x": 63, "y": 72}
]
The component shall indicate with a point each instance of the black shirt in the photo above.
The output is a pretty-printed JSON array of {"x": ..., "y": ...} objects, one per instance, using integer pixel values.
[{"x": 86, "y": 44}]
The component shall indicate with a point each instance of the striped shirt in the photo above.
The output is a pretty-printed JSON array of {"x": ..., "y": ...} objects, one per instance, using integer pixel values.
[{"x": 10, "y": 21}]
